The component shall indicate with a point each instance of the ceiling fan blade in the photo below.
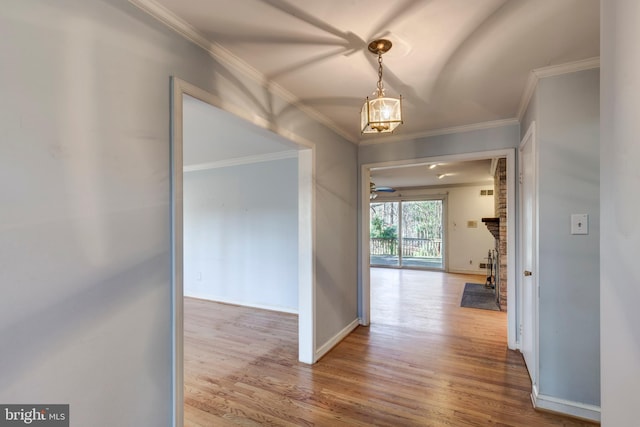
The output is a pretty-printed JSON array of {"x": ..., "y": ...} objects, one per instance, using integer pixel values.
[{"x": 386, "y": 189}]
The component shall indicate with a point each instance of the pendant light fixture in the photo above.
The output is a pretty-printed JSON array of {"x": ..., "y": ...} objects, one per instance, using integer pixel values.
[{"x": 380, "y": 114}]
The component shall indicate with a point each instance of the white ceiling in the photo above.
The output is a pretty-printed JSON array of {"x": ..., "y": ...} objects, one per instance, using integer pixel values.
[
  {"x": 455, "y": 62},
  {"x": 434, "y": 174}
]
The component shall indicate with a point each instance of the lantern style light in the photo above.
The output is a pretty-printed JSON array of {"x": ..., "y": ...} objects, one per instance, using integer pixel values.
[{"x": 380, "y": 114}]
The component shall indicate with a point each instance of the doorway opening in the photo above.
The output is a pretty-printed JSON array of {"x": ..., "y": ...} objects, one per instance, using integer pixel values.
[
  {"x": 371, "y": 173},
  {"x": 299, "y": 156}
]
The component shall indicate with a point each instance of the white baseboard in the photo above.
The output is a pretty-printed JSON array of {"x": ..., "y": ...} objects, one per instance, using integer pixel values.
[
  {"x": 245, "y": 304},
  {"x": 567, "y": 407},
  {"x": 326, "y": 347}
]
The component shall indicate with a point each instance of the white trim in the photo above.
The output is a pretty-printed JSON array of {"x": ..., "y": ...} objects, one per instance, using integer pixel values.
[
  {"x": 364, "y": 308},
  {"x": 306, "y": 256},
  {"x": 550, "y": 71},
  {"x": 364, "y": 255},
  {"x": 228, "y": 301},
  {"x": 512, "y": 305},
  {"x": 184, "y": 29},
  {"x": 568, "y": 407},
  {"x": 534, "y": 371},
  {"x": 326, "y": 347},
  {"x": 568, "y": 67},
  {"x": 436, "y": 132},
  {"x": 239, "y": 161},
  {"x": 177, "y": 271}
]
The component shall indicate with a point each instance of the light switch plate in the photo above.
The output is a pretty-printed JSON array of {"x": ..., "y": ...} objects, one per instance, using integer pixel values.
[{"x": 579, "y": 224}]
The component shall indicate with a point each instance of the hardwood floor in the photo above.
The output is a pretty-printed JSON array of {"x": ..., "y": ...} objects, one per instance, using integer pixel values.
[{"x": 424, "y": 361}]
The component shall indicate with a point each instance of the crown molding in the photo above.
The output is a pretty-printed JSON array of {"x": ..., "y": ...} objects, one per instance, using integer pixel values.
[
  {"x": 186, "y": 30},
  {"x": 443, "y": 131},
  {"x": 239, "y": 161},
  {"x": 554, "y": 70}
]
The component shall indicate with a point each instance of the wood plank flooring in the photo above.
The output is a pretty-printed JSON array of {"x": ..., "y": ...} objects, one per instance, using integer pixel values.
[{"x": 424, "y": 361}]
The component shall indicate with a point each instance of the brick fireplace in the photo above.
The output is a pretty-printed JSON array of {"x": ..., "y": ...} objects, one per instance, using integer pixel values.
[
  {"x": 500, "y": 202},
  {"x": 498, "y": 227}
]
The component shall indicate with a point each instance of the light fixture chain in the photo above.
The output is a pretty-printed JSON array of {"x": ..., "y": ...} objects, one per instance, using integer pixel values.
[{"x": 380, "y": 85}]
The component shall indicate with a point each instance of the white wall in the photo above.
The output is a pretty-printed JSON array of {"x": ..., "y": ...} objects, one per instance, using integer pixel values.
[
  {"x": 467, "y": 247},
  {"x": 241, "y": 234},
  {"x": 566, "y": 110},
  {"x": 85, "y": 313},
  {"x": 620, "y": 202}
]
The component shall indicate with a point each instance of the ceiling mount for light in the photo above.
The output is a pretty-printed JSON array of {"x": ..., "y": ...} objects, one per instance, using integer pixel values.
[{"x": 380, "y": 114}]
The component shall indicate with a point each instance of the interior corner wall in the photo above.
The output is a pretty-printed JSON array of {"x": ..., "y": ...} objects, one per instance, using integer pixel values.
[
  {"x": 620, "y": 204},
  {"x": 567, "y": 132},
  {"x": 241, "y": 236},
  {"x": 469, "y": 244},
  {"x": 336, "y": 263},
  {"x": 85, "y": 224}
]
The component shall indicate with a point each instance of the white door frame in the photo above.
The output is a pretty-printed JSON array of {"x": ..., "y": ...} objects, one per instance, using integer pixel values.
[
  {"x": 306, "y": 236},
  {"x": 365, "y": 277},
  {"x": 529, "y": 138}
]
